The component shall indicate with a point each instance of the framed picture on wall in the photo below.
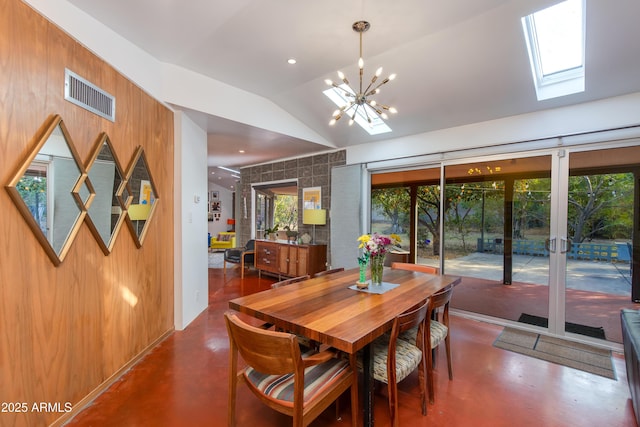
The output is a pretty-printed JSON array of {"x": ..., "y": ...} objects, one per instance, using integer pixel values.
[
  {"x": 214, "y": 196},
  {"x": 312, "y": 198},
  {"x": 215, "y": 206}
]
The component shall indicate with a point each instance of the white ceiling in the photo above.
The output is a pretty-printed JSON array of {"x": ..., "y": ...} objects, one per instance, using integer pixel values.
[{"x": 457, "y": 61}]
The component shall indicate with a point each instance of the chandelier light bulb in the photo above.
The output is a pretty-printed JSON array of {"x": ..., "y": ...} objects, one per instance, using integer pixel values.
[
  {"x": 384, "y": 116},
  {"x": 392, "y": 77},
  {"x": 341, "y": 75},
  {"x": 393, "y": 110},
  {"x": 329, "y": 82},
  {"x": 332, "y": 122},
  {"x": 351, "y": 122},
  {"x": 373, "y": 103},
  {"x": 378, "y": 72},
  {"x": 361, "y": 63}
]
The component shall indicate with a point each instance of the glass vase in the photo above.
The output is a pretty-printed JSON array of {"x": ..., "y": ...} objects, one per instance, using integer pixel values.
[{"x": 376, "y": 265}]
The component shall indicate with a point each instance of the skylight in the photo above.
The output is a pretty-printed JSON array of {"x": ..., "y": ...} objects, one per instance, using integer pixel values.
[
  {"x": 555, "y": 40},
  {"x": 376, "y": 126}
]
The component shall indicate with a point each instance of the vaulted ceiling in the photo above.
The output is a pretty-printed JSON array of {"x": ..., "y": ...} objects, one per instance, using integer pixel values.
[{"x": 457, "y": 61}]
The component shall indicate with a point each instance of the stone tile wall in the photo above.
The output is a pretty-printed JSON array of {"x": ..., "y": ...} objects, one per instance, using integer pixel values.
[{"x": 312, "y": 171}]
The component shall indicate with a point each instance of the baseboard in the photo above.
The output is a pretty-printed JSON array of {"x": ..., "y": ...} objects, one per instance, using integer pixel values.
[{"x": 89, "y": 398}]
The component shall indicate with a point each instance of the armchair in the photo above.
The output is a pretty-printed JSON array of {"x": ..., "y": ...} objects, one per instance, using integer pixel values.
[{"x": 242, "y": 256}]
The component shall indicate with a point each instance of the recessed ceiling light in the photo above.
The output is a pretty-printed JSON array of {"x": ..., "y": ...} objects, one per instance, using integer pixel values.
[
  {"x": 241, "y": 151},
  {"x": 291, "y": 61}
]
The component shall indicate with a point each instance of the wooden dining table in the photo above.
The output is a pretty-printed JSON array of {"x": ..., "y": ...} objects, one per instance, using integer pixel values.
[{"x": 327, "y": 310}]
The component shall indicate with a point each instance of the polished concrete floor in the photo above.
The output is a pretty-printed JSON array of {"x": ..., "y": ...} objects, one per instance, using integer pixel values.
[{"x": 183, "y": 382}]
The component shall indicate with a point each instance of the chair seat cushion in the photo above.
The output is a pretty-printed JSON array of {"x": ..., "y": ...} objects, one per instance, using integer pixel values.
[
  {"x": 316, "y": 379},
  {"x": 439, "y": 332},
  {"x": 408, "y": 358}
]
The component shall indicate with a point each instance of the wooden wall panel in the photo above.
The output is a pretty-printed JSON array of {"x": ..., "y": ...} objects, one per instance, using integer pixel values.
[{"x": 65, "y": 330}]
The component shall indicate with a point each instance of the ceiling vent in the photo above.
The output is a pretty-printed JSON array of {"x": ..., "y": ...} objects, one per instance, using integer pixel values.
[{"x": 88, "y": 96}]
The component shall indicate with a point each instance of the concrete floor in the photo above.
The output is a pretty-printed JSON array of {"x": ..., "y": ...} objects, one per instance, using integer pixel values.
[{"x": 183, "y": 381}]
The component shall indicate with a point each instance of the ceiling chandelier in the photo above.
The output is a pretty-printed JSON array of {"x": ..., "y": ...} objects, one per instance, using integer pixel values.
[{"x": 360, "y": 101}]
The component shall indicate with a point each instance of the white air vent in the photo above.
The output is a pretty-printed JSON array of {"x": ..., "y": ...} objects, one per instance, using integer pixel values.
[{"x": 88, "y": 96}]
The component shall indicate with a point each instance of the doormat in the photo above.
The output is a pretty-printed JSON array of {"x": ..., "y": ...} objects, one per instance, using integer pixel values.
[
  {"x": 556, "y": 350},
  {"x": 574, "y": 328}
]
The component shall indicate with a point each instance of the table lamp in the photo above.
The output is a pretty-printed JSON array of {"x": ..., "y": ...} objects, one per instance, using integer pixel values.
[
  {"x": 314, "y": 217},
  {"x": 232, "y": 224}
]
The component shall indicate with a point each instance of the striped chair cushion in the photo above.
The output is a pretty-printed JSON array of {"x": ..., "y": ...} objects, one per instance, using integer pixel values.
[
  {"x": 316, "y": 379},
  {"x": 439, "y": 332},
  {"x": 408, "y": 358}
]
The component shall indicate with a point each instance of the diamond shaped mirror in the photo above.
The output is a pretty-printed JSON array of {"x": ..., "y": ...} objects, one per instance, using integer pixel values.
[
  {"x": 45, "y": 190},
  {"x": 142, "y": 196},
  {"x": 106, "y": 211}
]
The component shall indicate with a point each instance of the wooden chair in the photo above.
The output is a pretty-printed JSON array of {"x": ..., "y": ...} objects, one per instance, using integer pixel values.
[
  {"x": 394, "y": 359},
  {"x": 242, "y": 256},
  {"x": 291, "y": 281},
  {"x": 318, "y": 378},
  {"x": 325, "y": 272},
  {"x": 436, "y": 332},
  {"x": 415, "y": 267}
]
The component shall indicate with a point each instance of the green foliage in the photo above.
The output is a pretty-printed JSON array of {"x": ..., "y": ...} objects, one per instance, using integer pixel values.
[
  {"x": 599, "y": 206},
  {"x": 286, "y": 211}
]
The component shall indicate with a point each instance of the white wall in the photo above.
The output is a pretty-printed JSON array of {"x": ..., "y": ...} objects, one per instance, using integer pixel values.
[
  {"x": 191, "y": 290},
  {"x": 226, "y": 201},
  {"x": 610, "y": 113}
]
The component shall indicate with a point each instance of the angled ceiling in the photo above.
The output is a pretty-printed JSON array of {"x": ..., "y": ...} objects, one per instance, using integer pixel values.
[{"x": 458, "y": 62}]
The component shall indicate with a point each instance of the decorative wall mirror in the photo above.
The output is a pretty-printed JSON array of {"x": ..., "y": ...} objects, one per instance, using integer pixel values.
[
  {"x": 142, "y": 196},
  {"x": 45, "y": 190},
  {"x": 106, "y": 211}
]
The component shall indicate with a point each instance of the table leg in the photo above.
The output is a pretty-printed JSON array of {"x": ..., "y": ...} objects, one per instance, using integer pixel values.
[{"x": 367, "y": 392}]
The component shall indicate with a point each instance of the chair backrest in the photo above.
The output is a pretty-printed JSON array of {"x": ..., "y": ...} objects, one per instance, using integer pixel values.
[
  {"x": 290, "y": 281},
  {"x": 409, "y": 319},
  {"x": 440, "y": 299},
  {"x": 267, "y": 351},
  {"x": 415, "y": 267},
  {"x": 325, "y": 272},
  {"x": 251, "y": 244}
]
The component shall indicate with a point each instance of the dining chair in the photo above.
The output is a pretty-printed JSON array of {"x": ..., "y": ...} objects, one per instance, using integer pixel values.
[
  {"x": 410, "y": 335},
  {"x": 291, "y": 281},
  {"x": 415, "y": 267},
  {"x": 436, "y": 332},
  {"x": 326, "y": 272},
  {"x": 299, "y": 385},
  {"x": 242, "y": 255},
  {"x": 394, "y": 359}
]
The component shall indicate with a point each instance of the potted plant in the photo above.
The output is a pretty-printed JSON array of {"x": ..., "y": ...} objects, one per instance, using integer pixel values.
[{"x": 271, "y": 233}]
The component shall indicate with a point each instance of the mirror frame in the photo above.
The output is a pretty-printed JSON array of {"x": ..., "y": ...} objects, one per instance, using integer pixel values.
[
  {"x": 139, "y": 238},
  {"x": 45, "y": 132},
  {"x": 106, "y": 247}
]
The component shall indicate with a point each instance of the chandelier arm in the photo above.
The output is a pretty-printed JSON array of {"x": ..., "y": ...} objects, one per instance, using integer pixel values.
[
  {"x": 385, "y": 81},
  {"x": 373, "y": 107}
]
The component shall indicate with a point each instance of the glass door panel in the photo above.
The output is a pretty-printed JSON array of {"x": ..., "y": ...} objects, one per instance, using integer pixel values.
[
  {"x": 600, "y": 230},
  {"x": 496, "y": 222}
]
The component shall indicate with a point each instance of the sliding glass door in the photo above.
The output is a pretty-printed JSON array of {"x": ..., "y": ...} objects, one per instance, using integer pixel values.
[{"x": 496, "y": 225}]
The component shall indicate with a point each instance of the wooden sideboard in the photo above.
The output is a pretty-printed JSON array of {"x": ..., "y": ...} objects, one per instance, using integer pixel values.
[{"x": 289, "y": 260}]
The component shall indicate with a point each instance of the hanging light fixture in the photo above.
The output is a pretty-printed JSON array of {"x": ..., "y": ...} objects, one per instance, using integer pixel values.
[{"x": 360, "y": 101}]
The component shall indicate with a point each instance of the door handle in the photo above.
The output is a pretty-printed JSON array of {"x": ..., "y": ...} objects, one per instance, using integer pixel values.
[
  {"x": 550, "y": 244},
  {"x": 567, "y": 244}
]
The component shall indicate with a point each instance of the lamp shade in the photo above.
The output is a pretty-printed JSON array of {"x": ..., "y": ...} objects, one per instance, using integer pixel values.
[
  {"x": 139, "y": 212},
  {"x": 231, "y": 221},
  {"x": 314, "y": 216}
]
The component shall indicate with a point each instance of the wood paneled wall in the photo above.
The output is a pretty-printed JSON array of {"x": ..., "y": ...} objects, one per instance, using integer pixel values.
[{"x": 65, "y": 330}]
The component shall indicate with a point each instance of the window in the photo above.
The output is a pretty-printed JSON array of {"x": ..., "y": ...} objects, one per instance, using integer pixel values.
[{"x": 555, "y": 41}]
